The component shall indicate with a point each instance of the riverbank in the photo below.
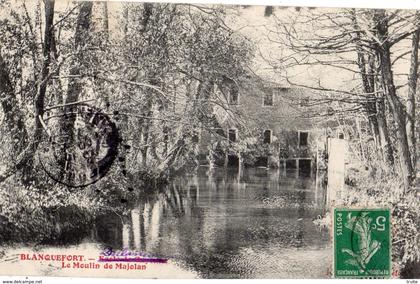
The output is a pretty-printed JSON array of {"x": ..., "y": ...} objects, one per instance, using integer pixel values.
[{"x": 379, "y": 188}]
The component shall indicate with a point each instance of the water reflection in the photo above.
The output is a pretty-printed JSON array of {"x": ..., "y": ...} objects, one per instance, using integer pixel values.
[{"x": 226, "y": 223}]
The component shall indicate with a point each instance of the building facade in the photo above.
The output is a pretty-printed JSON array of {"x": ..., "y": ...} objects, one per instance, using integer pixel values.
[{"x": 265, "y": 125}]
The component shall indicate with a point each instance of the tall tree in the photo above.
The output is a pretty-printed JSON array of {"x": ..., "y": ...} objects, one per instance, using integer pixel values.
[
  {"x": 81, "y": 37},
  {"x": 373, "y": 105},
  {"x": 75, "y": 85},
  {"x": 383, "y": 48},
  {"x": 412, "y": 93},
  {"x": 14, "y": 117},
  {"x": 177, "y": 55},
  {"x": 363, "y": 39},
  {"x": 25, "y": 159}
]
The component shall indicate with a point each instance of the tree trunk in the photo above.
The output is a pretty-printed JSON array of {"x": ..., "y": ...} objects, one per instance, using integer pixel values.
[
  {"x": 26, "y": 158},
  {"x": 145, "y": 141},
  {"x": 74, "y": 87},
  {"x": 13, "y": 116},
  {"x": 47, "y": 48},
  {"x": 385, "y": 140},
  {"x": 373, "y": 107},
  {"x": 396, "y": 106},
  {"x": 105, "y": 22},
  {"x": 370, "y": 105},
  {"x": 82, "y": 28},
  {"x": 42, "y": 89},
  {"x": 411, "y": 101}
]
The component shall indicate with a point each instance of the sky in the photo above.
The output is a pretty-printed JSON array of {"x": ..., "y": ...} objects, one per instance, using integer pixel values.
[
  {"x": 252, "y": 23},
  {"x": 262, "y": 30}
]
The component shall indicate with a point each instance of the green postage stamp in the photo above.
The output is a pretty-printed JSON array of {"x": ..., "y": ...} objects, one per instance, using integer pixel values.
[{"x": 362, "y": 243}]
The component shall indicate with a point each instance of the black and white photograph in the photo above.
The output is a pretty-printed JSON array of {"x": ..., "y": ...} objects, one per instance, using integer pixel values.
[{"x": 223, "y": 141}]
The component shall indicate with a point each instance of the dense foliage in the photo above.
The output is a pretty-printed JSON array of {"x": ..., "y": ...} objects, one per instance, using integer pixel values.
[{"x": 153, "y": 68}]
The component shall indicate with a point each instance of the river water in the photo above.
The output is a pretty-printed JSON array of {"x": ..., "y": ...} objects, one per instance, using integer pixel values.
[{"x": 230, "y": 223}]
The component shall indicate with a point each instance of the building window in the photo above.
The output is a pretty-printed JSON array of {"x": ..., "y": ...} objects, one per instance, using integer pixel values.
[
  {"x": 268, "y": 11},
  {"x": 267, "y": 136},
  {"x": 340, "y": 135},
  {"x": 303, "y": 138},
  {"x": 232, "y": 135},
  {"x": 268, "y": 99},
  {"x": 233, "y": 95}
]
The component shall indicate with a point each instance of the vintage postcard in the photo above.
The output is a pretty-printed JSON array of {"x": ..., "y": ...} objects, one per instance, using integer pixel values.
[{"x": 169, "y": 140}]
